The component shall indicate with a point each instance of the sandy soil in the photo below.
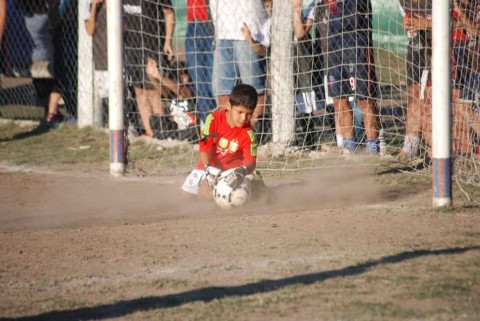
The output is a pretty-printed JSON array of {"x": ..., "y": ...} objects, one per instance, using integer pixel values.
[{"x": 80, "y": 246}]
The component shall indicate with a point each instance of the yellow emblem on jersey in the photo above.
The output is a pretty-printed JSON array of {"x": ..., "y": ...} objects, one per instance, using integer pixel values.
[
  {"x": 223, "y": 143},
  {"x": 233, "y": 146}
]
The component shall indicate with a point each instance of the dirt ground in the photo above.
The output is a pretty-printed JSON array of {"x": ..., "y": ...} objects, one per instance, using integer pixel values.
[{"x": 334, "y": 245}]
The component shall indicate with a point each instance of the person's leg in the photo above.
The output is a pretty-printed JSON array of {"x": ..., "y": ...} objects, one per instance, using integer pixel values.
[
  {"x": 357, "y": 119},
  {"x": 53, "y": 103},
  {"x": 225, "y": 73},
  {"x": 144, "y": 110},
  {"x": 370, "y": 123},
  {"x": 199, "y": 52},
  {"x": 154, "y": 99},
  {"x": 252, "y": 71},
  {"x": 413, "y": 122},
  {"x": 344, "y": 117},
  {"x": 418, "y": 80},
  {"x": 426, "y": 122},
  {"x": 370, "y": 117},
  {"x": 461, "y": 141}
]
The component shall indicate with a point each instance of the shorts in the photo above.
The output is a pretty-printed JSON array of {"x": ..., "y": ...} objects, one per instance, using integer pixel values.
[
  {"x": 471, "y": 89},
  {"x": 351, "y": 72},
  {"x": 45, "y": 86},
  {"x": 235, "y": 61},
  {"x": 419, "y": 66},
  {"x": 193, "y": 181}
]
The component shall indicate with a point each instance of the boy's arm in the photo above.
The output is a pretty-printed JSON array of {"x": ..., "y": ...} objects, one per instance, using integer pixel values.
[
  {"x": 250, "y": 153},
  {"x": 298, "y": 28},
  {"x": 206, "y": 158},
  {"x": 91, "y": 23},
  {"x": 169, "y": 15},
  {"x": 259, "y": 48},
  {"x": 206, "y": 145},
  {"x": 250, "y": 167}
]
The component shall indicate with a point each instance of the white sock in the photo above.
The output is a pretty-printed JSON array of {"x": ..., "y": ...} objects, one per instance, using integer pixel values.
[
  {"x": 339, "y": 140},
  {"x": 410, "y": 145}
]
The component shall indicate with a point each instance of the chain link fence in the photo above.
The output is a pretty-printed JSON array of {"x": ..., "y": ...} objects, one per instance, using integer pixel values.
[{"x": 295, "y": 74}]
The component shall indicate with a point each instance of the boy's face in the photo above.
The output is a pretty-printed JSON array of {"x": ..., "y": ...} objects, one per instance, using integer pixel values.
[{"x": 238, "y": 116}]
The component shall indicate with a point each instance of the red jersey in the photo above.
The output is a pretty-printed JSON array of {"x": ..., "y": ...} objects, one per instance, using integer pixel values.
[
  {"x": 197, "y": 10},
  {"x": 229, "y": 147}
]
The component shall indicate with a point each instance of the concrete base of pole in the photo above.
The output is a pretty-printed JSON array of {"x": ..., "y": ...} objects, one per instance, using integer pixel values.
[
  {"x": 117, "y": 169},
  {"x": 442, "y": 202}
]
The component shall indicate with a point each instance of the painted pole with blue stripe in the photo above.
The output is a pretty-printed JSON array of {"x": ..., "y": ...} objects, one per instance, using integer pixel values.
[
  {"x": 115, "y": 84},
  {"x": 441, "y": 105}
]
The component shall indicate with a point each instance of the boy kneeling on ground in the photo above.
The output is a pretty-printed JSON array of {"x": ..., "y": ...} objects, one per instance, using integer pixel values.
[{"x": 228, "y": 148}]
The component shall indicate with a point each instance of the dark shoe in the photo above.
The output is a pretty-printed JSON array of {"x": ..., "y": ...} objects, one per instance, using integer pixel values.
[
  {"x": 54, "y": 120},
  {"x": 163, "y": 127}
]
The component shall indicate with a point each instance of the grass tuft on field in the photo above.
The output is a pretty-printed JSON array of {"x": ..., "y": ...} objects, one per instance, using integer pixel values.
[{"x": 40, "y": 145}]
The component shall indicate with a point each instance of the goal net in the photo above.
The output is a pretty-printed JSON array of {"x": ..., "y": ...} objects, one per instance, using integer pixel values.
[{"x": 337, "y": 80}]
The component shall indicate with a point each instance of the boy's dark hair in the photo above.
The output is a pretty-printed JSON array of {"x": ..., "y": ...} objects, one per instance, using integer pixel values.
[{"x": 244, "y": 95}]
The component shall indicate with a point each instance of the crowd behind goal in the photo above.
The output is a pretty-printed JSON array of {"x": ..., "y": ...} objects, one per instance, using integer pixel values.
[{"x": 348, "y": 93}]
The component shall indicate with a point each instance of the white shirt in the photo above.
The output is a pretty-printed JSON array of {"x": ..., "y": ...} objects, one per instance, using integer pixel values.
[
  {"x": 263, "y": 37},
  {"x": 230, "y": 15}
]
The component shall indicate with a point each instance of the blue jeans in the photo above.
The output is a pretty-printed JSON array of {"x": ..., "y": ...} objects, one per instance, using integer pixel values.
[
  {"x": 238, "y": 62},
  {"x": 199, "y": 46}
]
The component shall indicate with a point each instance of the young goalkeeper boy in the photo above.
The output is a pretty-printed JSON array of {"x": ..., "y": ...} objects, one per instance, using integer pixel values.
[{"x": 227, "y": 143}]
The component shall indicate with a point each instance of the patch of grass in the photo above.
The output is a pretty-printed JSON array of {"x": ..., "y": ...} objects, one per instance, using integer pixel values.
[
  {"x": 378, "y": 309},
  {"x": 43, "y": 146},
  {"x": 446, "y": 287},
  {"x": 59, "y": 302},
  {"x": 162, "y": 283},
  {"x": 68, "y": 144}
]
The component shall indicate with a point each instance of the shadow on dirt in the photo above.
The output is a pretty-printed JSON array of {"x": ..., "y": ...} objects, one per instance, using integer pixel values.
[
  {"x": 37, "y": 131},
  {"x": 123, "y": 308}
]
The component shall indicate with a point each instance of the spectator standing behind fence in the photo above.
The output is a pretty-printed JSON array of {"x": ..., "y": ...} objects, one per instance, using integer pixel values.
[
  {"x": 235, "y": 60},
  {"x": 96, "y": 26},
  {"x": 262, "y": 47},
  {"x": 462, "y": 113},
  {"x": 351, "y": 70},
  {"x": 44, "y": 71},
  {"x": 469, "y": 16},
  {"x": 465, "y": 121},
  {"x": 418, "y": 24},
  {"x": 304, "y": 67},
  {"x": 149, "y": 31},
  {"x": 466, "y": 104},
  {"x": 199, "y": 47}
]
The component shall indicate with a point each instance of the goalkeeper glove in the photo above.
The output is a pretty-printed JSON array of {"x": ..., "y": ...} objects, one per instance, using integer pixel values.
[
  {"x": 211, "y": 175},
  {"x": 235, "y": 178}
]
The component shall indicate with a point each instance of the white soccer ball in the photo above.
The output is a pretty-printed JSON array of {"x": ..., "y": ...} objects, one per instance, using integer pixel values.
[{"x": 226, "y": 198}]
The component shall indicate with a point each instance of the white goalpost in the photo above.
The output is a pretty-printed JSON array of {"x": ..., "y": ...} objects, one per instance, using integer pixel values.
[
  {"x": 299, "y": 73},
  {"x": 441, "y": 105},
  {"x": 283, "y": 122},
  {"x": 115, "y": 83}
]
